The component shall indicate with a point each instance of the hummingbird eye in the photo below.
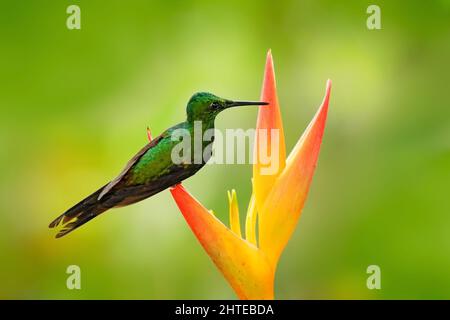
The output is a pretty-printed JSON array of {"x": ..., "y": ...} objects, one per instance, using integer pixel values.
[{"x": 215, "y": 105}]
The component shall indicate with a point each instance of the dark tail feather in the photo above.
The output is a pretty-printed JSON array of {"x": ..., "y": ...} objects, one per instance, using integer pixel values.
[{"x": 79, "y": 214}]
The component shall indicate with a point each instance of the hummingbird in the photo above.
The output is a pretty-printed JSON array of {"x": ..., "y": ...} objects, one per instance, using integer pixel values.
[{"x": 152, "y": 169}]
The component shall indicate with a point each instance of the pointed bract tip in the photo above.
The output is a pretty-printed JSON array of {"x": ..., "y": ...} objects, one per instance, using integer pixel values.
[
  {"x": 327, "y": 93},
  {"x": 269, "y": 59}
]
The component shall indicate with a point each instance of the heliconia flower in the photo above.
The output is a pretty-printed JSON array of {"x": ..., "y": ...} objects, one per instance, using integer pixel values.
[{"x": 249, "y": 263}]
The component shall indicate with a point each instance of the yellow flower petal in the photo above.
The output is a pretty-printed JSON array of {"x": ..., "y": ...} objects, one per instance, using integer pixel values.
[
  {"x": 235, "y": 224},
  {"x": 283, "y": 205},
  {"x": 250, "y": 221},
  {"x": 244, "y": 266},
  {"x": 267, "y": 147}
]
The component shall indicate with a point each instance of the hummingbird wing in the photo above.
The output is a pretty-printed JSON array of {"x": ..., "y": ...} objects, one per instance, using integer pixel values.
[
  {"x": 129, "y": 194},
  {"x": 129, "y": 165}
]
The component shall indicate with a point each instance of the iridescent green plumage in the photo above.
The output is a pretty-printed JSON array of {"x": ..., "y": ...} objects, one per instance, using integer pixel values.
[{"x": 152, "y": 169}]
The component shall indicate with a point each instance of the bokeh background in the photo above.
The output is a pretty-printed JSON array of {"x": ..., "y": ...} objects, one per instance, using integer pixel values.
[{"x": 75, "y": 105}]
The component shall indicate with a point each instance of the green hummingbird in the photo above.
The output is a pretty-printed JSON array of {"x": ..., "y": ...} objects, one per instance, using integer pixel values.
[{"x": 152, "y": 169}]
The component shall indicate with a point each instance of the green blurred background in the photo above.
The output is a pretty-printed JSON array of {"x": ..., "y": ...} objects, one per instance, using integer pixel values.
[{"x": 75, "y": 104}]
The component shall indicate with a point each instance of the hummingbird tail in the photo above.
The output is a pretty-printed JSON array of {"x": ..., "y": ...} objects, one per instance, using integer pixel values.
[{"x": 79, "y": 214}]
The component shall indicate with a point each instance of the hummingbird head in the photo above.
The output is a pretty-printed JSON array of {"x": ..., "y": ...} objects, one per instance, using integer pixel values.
[{"x": 204, "y": 106}]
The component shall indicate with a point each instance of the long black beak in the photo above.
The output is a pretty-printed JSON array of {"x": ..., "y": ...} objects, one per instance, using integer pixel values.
[{"x": 246, "y": 103}]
